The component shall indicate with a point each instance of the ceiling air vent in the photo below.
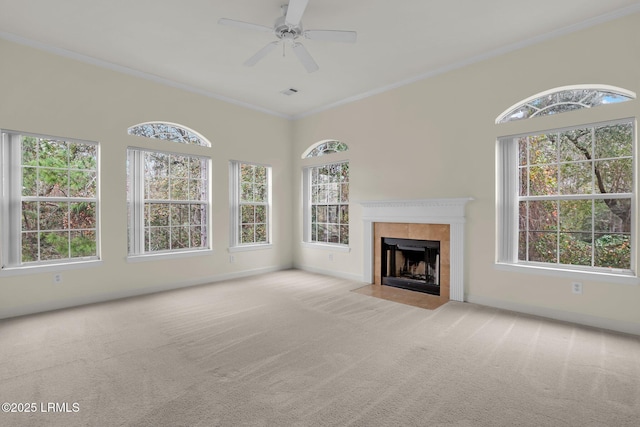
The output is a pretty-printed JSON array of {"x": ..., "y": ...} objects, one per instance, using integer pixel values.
[{"x": 289, "y": 91}]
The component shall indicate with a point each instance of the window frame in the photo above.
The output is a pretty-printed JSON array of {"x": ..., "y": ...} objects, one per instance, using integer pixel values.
[
  {"x": 507, "y": 218},
  {"x": 11, "y": 199},
  {"x": 307, "y": 183},
  {"x": 136, "y": 201},
  {"x": 235, "y": 204}
]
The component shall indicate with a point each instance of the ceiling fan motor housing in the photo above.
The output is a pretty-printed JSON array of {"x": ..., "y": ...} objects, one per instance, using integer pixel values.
[{"x": 285, "y": 31}]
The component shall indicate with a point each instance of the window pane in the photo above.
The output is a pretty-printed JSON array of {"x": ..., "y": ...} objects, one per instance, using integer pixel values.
[
  {"x": 575, "y": 215},
  {"x": 523, "y": 181},
  {"x": 179, "y": 189},
  {"x": 179, "y": 214},
  {"x": 159, "y": 239},
  {"x": 543, "y": 149},
  {"x": 246, "y": 194},
  {"x": 575, "y": 248},
  {"x": 179, "y": 166},
  {"x": 247, "y": 214},
  {"x": 613, "y": 251},
  {"x": 576, "y": 178},
  {"x": 83, "y": 156},
  {"x": 82, "y": 215},
  {"x": 53, "y": 153},
  {"x": 247, "y": 233},
  {"x": 179, "y": 237},
  {"x": 612, "y": 215},
  {"x": 261, "y": 174},
  {"x": 158, "y": 214},
  {"x": 542, "y": 215},
  {"x": 29, "y": 181},
  {"x": 576, "y": 145},
  {"x": 53, "y": 216},
  {"x": 198, "y": 237},
  {"x": 260, "y": 193},
  {"x": 334, "y": 234},
  {"x": 197, "y": 215},
  {"x": 246, "y": 173},
  {"x": 29, "y": 249},
  {"x": 613, "y": 141},
  {"x": 261, "y": 214},
  {"x": 322, "y": 213},
  {"x": 82, "y": 184},
  {"x": 54, "y": 245},
  {"x": 543, "y": 180},
  {"x": 344, "y": 234},
  {"x": 83, "y": 243},
  {"x": 29, "y": 216},
  {"x": 344, "y": 214},
  {"x": 261, "y": 233},
  {"x": 332, "y": 214},
  {"x": 614, "y": 176},
  {"x": 322, "y": 233},
  {"x": 542, "y": 247},
  {"x": 53, "y": 182},
  {"x": 196, "y": 186},
  {"x": 29, "y": 145}
]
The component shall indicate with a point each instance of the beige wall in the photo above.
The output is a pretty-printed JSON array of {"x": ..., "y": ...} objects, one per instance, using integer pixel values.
[
  {"x": 433, "y": 138},
  {"x": 52, "y": 95},
  {"x": 437, "y": 137}
]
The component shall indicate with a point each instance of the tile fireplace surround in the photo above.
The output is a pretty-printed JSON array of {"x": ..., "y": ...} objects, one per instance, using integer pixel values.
[{"x": 426, "y": 219}]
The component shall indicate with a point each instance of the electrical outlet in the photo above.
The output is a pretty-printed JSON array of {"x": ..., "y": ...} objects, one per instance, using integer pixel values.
[
  {"x": 330, "y": 257},
  {"x": 232, "y": 258},
  {"x": 576, "y": 288},
  {"x": 57, "y": 278}
]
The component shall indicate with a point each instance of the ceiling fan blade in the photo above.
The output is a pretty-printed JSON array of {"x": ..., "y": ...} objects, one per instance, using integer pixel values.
[
  {"x": 305, "y": 58},
  {"x": 260, "y": 54},
  {"x": 331, "y": 35},
  {"x": 295, "y": 9},
  {"x": 244, "y": 25}
]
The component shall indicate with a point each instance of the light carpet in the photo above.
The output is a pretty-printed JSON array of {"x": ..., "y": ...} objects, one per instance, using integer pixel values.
[{"x": 298, "y": 349}]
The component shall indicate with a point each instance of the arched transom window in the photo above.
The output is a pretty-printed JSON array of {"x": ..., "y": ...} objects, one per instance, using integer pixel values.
[
  {"x": 561, "y": 100},
  {"x": 169, "y": 132},
  {"x": 328, "y": 146}
]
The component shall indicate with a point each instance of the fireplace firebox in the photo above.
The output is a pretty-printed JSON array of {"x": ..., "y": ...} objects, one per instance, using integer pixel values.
[{"x": 411, "y": 264}]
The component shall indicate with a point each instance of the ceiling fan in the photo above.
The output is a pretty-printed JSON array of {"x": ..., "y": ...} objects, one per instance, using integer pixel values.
[{"x": 288, "y": 28}]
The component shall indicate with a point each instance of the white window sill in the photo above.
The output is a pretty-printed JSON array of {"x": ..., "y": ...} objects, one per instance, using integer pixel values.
[
  {"x": 256, "y": 247},
  {"x": 624, "y": 277},
  {"x": 48, "y": 268},
  {"x": 335, "y": 247},
  {"x": 168, "y": 255}
]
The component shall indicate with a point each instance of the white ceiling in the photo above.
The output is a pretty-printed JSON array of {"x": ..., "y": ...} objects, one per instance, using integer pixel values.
[{"x": 180, "y": 42}]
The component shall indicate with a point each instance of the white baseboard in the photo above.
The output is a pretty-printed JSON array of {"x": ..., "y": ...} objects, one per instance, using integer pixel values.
[
  {"x": 565, "y": 316},
  {"x": 332, "y": 273},
  {"x": 126, "y": 293}
]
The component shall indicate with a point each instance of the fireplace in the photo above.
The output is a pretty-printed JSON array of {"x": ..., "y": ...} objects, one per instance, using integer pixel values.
[
  {"x": 411, "y": 264},
  {"x": 425, "y": 219}
]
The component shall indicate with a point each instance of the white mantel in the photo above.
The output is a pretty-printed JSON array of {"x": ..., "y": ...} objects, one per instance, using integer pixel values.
[{"x": 419, "y": 211}]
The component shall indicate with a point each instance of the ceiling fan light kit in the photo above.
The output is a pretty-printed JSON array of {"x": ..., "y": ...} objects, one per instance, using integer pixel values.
[{"x": 288, "y": 28}]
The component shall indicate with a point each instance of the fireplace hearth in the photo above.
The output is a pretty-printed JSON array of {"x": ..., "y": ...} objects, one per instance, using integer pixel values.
[{"x": 411, "y": 264}]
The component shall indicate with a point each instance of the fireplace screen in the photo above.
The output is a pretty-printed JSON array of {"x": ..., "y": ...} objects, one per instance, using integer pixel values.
[{"x": 411, "y": 264}]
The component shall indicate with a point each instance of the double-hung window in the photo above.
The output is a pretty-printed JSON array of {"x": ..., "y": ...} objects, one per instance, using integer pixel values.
[
  {"x": 329, "y": 205},
  {"x": 250, "y": 204},
  {"x": 566, "y": 197},
  {"x": 326, "y": 196},
  {"x": 49, "y": 200},
  {"x": 168, "y": 202},
  {"x": 168, "y": 193}
]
